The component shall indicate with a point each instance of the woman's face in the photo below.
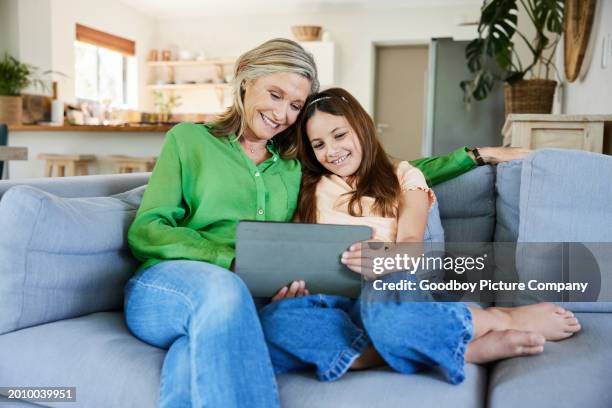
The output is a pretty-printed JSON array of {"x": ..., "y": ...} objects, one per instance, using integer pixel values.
[
  {"x": 335, "y": 143},
  {"x": 272, "y": 103}
]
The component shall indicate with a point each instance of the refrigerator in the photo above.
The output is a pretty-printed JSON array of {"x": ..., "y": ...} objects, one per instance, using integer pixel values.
[{"x": 449, "y": 122}]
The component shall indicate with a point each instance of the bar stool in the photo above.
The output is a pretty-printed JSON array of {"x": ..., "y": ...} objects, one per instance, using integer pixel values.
[
  {"x": 66, "y": 164},
  {"x": 129, "y": 164}
]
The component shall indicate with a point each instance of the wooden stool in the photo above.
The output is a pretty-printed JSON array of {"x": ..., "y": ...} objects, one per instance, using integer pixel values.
[
  {"x": 128, "y": 164},
  {"x": 67, "y": 164}
]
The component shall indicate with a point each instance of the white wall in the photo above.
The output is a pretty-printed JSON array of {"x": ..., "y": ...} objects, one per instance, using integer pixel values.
[
  {"x": 592, "y": 92},
  {"x": 9, "y": 14},
  {"x": 355, "y": 32}
]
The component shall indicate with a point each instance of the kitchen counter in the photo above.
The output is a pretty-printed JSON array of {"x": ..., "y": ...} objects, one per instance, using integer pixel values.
[
  {"x": 101, "y": 141},
  {"x": 90, "y": 128}
]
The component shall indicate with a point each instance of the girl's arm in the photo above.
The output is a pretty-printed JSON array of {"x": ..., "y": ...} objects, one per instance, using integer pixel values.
[{"x": 412, "y": 215}]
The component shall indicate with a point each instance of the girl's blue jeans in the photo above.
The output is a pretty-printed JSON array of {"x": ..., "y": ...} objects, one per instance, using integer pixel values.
[
  {"x": 409, "y": 330},
  {"x": 205, "y": 316}
]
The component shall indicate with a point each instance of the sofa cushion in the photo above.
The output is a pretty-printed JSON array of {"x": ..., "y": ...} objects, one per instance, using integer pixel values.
[
  {"x": 571, "y": 373},
  {"x": 565, "y": 197},
  {"x": 5, "y": 401},
  {"x": 62, "y": 257},
  {"x": 383, "y": 388},
  {"x": 507, "y": 189},
  {"x": 94, "y": 353},
  {"x": 434, "y": 232},
  {"x": 467, "y": 206}
]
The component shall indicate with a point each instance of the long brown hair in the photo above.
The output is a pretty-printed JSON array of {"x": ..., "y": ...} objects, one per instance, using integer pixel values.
[
  {"x": 277, "y": 55},
  {"x": 375, "y": 176}
]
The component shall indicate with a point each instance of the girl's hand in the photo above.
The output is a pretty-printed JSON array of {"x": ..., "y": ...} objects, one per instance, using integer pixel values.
[
  {"x": 359, "y": 258},
  {"x": 295, "y": 289}
]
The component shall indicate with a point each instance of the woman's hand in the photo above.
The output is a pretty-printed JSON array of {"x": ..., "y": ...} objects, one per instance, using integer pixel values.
[
  {"x": 495, "y": 155},
  {"x": 295, "y": 289}
]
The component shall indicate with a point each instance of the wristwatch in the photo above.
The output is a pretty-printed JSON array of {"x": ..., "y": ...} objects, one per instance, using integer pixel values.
[{"x": 479, "y": 160}]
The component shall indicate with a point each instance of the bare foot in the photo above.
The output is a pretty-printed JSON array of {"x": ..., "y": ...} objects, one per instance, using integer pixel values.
[
  {"x": 368, "y": 359},
  {"x": 550, "y": 320},
  {"x": 497, "y": 345}
]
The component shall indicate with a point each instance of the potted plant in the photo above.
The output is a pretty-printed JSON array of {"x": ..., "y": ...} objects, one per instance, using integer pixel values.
[
  {"x": 493, "y": 57},
  {"x": 15, "y": 77},
  {"x": 165, "y": 107}
]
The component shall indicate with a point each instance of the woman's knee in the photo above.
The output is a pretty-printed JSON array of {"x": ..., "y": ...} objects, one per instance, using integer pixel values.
[{"x": 184, "y": 290}]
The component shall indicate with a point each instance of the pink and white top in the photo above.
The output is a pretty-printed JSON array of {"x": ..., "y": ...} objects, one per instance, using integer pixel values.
[{"x": 332, "y": 205}]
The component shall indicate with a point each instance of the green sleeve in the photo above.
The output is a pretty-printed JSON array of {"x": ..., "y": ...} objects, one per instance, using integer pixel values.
[
  {"x": 155, "y": 233},
  {"x": 438, "y": 169}
]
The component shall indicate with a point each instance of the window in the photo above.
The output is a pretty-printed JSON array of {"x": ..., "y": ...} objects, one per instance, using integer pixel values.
[{"x": 105, "y": 68}]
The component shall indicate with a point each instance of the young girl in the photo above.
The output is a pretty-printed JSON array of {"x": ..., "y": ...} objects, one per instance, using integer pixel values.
[{"x": 348, "y": 179}]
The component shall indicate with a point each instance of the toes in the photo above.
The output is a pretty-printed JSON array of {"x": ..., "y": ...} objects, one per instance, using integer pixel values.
[
  {"x": 572, "y": 321},
  {"x": 573, "y": 329},
  {"x": 534, "y": 340},
  {"x": 528, "y": 351},
  {"x": 558, "y": 309}
]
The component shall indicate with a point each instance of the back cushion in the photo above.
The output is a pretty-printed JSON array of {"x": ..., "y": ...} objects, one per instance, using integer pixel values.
[
  {"x": 62, "y": 257},
  {"x": 467, "y": 209},
  {"x": 467, "y": 206},
  {"x": 508, "y": 189},
  {"x": 566, "y": 197}
]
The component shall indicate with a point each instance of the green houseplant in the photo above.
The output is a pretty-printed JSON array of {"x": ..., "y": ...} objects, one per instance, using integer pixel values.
[
  {"x": 14, "y": 78},
  {"x": 165, "y": 106},
  {"x": 527, "y": 87}
]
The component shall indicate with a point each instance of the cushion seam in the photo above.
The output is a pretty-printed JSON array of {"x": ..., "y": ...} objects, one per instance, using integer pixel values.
[{"x": 26, "y": 262}]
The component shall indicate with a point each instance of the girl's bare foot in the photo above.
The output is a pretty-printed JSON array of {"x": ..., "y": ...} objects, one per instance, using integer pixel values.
[
  {"x": 550, "y": 320},
  {"x": 497, "y": 345},
  {"x": 368, "y": 359}
]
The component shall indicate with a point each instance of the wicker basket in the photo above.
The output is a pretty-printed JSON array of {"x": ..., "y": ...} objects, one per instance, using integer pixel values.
[
  {"x": 11, "y": 110},
  {"x": 530, "y": 96},
  {"x": 307, "y": 33}
]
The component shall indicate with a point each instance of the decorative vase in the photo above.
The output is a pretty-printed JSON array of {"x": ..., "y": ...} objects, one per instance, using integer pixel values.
[
  {"x": 11, "y": 110},
  {"x": 530, "y": 96}
]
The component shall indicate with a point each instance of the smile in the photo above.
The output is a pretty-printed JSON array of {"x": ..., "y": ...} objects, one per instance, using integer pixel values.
[
  {"x": 269, "y": 121},
  {"x": 341, "y": 159}
]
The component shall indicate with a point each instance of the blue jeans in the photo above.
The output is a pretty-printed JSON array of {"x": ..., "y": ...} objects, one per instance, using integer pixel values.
[
  {"x": 330, "y": 332},
  {"x": 205, "y": 316}
]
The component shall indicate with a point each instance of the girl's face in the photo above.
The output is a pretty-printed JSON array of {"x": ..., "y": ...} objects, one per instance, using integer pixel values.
[
  {"x": 272, "y": 103},
  {"x": 335, "y": 143}
]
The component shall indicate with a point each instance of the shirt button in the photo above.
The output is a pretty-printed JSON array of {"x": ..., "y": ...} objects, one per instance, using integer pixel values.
[
  {"x": 275, "y": 158},
  {"x": 256, "y": 174},
  {"x": 260, "y": 211}
]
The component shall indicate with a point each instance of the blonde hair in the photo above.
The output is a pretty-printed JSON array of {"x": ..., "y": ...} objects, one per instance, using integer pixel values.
[{"x": 277, "y": 55}]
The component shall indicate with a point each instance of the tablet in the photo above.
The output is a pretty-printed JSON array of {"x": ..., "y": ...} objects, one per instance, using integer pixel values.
[{"x": 270, "y": 255}]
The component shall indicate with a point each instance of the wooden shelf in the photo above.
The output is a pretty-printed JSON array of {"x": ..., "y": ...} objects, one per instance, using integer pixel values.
[
  {"x": 190, "y": 63},
  {"x": 189, "y": 86},
  {"x": 90, "y": 128}
]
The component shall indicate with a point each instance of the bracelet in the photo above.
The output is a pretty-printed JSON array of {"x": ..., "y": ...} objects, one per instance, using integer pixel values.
[{"x": 479, "y": 160}]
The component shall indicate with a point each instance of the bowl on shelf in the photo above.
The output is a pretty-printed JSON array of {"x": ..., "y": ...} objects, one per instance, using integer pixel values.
[
  {"x": 186, "y": 55},
  {"x": 307, "y": 32}
]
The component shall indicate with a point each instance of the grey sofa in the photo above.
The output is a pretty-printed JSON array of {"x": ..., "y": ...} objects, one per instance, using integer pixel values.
[{"x": 92, "y": 349}]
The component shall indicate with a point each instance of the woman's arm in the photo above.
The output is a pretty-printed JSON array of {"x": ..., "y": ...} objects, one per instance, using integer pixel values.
[
  {"x": 438, "y": 169},
  {"x": 155, "y": 232}
]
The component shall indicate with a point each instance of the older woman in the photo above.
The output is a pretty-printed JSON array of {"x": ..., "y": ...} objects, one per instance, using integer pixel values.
[{"x": 184, "y": 298}]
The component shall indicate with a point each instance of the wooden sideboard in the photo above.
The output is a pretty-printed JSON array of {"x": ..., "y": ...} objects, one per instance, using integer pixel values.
[{"x": 536, "y": 131}]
